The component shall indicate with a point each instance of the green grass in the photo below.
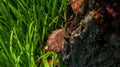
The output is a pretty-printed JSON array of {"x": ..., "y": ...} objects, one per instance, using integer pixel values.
[{"x": 24, "y": 28}]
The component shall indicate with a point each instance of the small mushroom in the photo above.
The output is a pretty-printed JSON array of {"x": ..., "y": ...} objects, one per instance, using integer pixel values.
[{"x": 55, "y": 41}]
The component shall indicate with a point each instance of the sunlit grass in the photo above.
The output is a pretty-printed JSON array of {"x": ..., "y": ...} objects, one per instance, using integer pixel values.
[{"x": 24, "y": 28}]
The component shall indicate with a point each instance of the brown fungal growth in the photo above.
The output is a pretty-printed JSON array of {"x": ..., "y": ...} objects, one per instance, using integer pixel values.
[
  {"x": 75, "y": 4},
  {"x": 55, "y": 41}
]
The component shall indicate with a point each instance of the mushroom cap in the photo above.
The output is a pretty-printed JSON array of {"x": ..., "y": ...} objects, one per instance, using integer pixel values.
[{"x": 56, "y": 40}]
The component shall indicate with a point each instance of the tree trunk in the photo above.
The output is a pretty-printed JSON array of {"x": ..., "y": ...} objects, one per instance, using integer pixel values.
[{"x": 92, "y": 34}]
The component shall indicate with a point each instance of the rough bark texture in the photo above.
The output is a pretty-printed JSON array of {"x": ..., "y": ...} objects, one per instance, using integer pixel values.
[{"x": 92, "y": 34}]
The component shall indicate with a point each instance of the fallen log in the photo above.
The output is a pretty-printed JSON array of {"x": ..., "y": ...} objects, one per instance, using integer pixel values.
[{"x": 92, "y": 37}]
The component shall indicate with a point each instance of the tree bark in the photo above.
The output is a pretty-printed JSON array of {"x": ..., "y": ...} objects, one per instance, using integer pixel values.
[{"x": 92, "y": 35}]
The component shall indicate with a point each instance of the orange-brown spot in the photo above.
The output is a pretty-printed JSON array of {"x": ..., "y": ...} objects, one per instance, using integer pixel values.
[
  {"x": 111, "y": 11},
  {"x": 75, "y": 4}
]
